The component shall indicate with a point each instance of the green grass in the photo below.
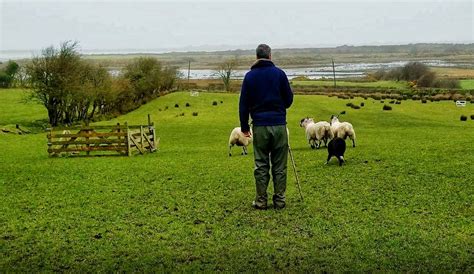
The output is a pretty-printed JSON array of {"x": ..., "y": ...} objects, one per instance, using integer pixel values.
[
  {"x": 16, "y": 108},
  {"x": 377, "y": 84},
  {"x": 467, "y": 84},
  {"x": 403, "y": 202}
]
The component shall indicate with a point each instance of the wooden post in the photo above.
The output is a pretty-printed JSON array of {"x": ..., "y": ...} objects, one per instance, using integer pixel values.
[
  {"x": 154, "y": 137},
  {"x": 142, "y": 138},
  {"x": 50, "y": 135},
  {"x": 129, "y": 151},
  {"x": 189, "y": 70},
  {"x": 333, "y": 72}
]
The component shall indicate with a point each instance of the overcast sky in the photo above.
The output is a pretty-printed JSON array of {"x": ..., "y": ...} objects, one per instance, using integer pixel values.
[{"x": 26, "y": 25}]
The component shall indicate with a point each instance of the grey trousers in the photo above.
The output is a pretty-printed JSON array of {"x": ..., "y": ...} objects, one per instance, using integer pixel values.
[{"x": 270, "y": 145}]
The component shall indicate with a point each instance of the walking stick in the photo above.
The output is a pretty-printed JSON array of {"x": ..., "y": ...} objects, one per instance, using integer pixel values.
[{"x": 296, "y": 173}]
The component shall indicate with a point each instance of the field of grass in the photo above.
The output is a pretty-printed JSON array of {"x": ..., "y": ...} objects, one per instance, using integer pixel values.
[
  {"x": 403, "y": 201},
  {"x": 467, "y": 84},
  {"x": 330, "y": 83}
]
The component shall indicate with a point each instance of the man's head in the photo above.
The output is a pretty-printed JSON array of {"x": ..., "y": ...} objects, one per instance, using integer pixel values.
[{"x": 264, "y": 52}]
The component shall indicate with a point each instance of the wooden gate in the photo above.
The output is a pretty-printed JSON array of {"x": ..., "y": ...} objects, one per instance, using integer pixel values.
[{"x": 102, "y": 140}]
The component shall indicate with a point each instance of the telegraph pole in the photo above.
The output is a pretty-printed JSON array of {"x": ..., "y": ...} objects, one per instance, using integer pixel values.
[{"x": 333, "y": 72}]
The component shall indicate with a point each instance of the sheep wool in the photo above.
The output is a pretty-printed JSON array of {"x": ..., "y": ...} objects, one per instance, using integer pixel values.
[
  {"x": 342, "y": 130},
  {"x": 316, "y": 133},
  {"x": 238, "y": 138}
]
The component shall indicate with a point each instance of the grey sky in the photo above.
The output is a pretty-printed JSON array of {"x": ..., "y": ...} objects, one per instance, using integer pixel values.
[{"x": 211, "y": 25}]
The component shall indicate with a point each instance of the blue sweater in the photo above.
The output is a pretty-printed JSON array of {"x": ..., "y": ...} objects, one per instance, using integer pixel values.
[{"x": 265, "y": 95}]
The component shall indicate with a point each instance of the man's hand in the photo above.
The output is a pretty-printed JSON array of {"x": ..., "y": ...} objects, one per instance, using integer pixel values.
[{"x": 247, "y": 134}]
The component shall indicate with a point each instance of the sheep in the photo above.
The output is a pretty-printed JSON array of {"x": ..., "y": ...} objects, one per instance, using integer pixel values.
[
  {"x": 316, "y": 132},
  {"x": 342, "y": 130},
  {"x": 336, "y": 148},
  {"x": 238, "y": 138}
]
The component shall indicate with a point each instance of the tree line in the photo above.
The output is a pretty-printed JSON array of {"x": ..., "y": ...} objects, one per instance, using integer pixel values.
[
  {"x": 74, "y": 90},
  {"x": 418, "y": 74}
]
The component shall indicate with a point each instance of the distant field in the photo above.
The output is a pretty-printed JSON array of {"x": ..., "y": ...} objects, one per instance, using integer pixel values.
[
  {"x": 402, "y": 203},
  {"x": 381, "y": 84},
  {"x": 467, "y": 84},
  {"x": 15, "y": 108}
]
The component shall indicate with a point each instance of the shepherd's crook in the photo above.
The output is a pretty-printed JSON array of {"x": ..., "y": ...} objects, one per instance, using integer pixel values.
[{"x": 296, "y": 173}]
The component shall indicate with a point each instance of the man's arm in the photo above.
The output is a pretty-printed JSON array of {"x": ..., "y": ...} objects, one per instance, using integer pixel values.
[
  {"x": 244, "y": 108},
  {"x": 286, "y": 92}
]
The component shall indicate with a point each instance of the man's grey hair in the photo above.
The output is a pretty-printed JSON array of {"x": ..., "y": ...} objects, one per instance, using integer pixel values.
[{"x": 263, "y": 51}]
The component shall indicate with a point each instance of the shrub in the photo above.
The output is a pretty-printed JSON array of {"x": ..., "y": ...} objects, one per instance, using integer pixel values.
[
  {"x": 387, "y": 107},
  {"x": 343, "y": 112},
  {"x": 222, "y": 102},
  {"x": 166, "y": 107},
  {"x": 195, "y": 114},
  {"x": 463, "y": 118},
  {"x": 188, "y": 105},
  {"x": 472, "y": 117},
  {"x": 391, "y": 102},
  {"x": 214, "y": 103},
  {"x": 176, "y": 105},
  {"x": 355, "y": 107},
  {"x": 447, "y": 83},
  {"x": 349, "y": 104},
  {"x": 382, "y": 101},
  {"x": 398, "y": 102},
  {"x": 424, "y": 101},
  {"x": 362, "y": 104}
]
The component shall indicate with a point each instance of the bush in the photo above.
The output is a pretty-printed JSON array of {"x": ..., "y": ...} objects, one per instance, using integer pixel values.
[
  {"x": 222, "y": 102},
  {"x": 447, "y": 83},
  {"x": 214, "y": 103},
  {"x": 391, "y": 102},
  {"x": 195, "y": 114},
  {"x": 424, "y": 101},
  {"x": 188, "y": 105},
  {"x": 472, "y": 117},
  {"x": 176, "y": 105},
  {"x": 349, "y": 104},
  {"x": 355, "y": 107},
  {"x": 398, "y": 102},
  {"x": 362, "y": 104},
  {"x": 463, "y": 118},
  {"x": 387, "y": 107},
  {"x": 343, "y": 112}
]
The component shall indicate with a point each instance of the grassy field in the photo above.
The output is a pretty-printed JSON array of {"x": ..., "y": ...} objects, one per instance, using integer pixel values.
[
  {"x": 467, "y": 84},
  {"x": 377, "y": 84},
  {"x": 403, "y": 202}
]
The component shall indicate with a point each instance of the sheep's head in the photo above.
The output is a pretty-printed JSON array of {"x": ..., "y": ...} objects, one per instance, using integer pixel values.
[
  {"x": 334, "y": 119},
  {"x": 305, "y": 121}
]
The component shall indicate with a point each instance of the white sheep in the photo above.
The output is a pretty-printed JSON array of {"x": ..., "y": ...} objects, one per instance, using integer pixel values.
[
  {"x": 342, "y": 130},
  {"x": 316, "y": 133},
  {"x": 239, "y": 139}
]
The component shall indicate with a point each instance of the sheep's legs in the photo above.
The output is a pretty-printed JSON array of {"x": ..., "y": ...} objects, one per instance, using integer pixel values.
[
  {"x": 230, "y": 150},
  {"x": 353, "y": 142},
  {"x": 245, "y": 150}
]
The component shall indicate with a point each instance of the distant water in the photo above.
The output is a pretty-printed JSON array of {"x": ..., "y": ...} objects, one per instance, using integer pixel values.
[{"x": 343, "y": 70}]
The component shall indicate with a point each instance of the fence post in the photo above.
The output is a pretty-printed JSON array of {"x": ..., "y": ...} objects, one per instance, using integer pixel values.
[
  {"x": 129, "y": 151},
  {"x": 142, "y": 138},
  {"x": 49, "y": 139}
]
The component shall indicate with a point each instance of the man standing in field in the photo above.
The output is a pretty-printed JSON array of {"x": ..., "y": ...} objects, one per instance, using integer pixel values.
[{"x": 265, "y": 95}]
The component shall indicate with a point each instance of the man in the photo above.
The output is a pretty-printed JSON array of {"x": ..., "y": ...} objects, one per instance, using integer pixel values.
[{"x": 265, "y": 95}]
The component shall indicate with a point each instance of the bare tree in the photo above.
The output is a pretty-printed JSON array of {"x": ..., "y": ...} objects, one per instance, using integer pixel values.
[{"x": 226, "y": 71}]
